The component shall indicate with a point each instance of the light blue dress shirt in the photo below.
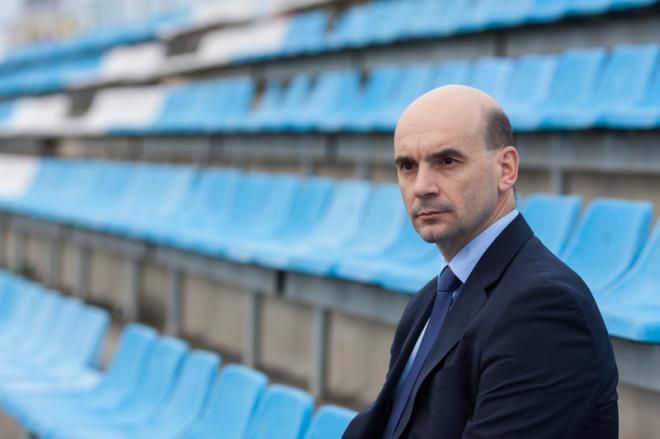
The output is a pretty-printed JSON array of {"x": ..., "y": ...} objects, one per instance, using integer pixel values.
[{"x": 462, "y": 265}]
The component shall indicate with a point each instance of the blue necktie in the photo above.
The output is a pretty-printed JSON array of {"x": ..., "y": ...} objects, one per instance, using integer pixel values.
[{"x": 447, "y": 283}]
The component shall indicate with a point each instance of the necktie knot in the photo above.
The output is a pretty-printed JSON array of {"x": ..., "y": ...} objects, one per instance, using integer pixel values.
[{"x": 447, "y": 281}]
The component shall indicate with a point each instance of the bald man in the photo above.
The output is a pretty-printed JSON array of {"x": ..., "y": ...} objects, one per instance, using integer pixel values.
[{"x": 507, "y": 341}]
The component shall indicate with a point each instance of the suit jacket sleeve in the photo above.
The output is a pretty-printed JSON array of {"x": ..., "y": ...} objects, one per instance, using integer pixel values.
[{"x": 537, "y": 372}]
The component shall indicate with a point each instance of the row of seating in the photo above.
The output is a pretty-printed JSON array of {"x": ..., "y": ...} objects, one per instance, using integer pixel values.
[
  {"x": 348, "y": 229},
  {"x": 578, "y": 89},
  {"x": 40, "y": 69},
  {"x": 154, "y": 386}
]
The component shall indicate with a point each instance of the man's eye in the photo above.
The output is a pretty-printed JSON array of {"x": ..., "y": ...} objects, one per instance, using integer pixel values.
[
  {"x": 448, "y": 161},
  {"x": 406, "y": 166}
]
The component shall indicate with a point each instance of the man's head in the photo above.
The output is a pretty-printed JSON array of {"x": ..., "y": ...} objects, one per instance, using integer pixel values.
[{"x": 456, "y": 165}]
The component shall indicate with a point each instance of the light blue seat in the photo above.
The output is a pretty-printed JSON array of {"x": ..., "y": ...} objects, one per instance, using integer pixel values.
[
  {"x": 185, "y": 404},
  {"x": 264, "y": 196},
  {"x": 416, "y": 273},
  {"x": 176, "y": 100},
  {"x": 502, "y": 13},
  {"x": 642, "y": 113},
  {"x": 491, "y": 75},
  {"x": 351, "y": 29},
  {"x": 6, "y": 108},
  {"x": 333, "y": 92},
  {"x": 268, "y": 106},
  {"x": 292, "y": 100},
  {"x": 528, "y": 86},
  {"x": 231, "y": 404},
  {"x": 608, "y": 241},
  {"x": 451, "y": 72},
  {"x": 42, "y": 411},
  {"x": 158, "y": 379},
  {"x": 631, "y": 307},
  {"x": 283, "y": 413},
  {"x": 382, "y": 82},
  {"x": 342, "y": 218},
  {"x": 416, "y": 79},
  {"x": 622, "y": 81},
  {"x": 552, "y": 218},
  {"x": 228, "y": 115},
  {"x": 393, "y": 22},
  {"x": 407, "y": 250},
  {"x": 310, "y": 203},
  {"x": 572, "y": 85},
  {"x": 382, "y": 220},
  {"x": 306, "y": 33},
  {"x": 329, "y": 422}
]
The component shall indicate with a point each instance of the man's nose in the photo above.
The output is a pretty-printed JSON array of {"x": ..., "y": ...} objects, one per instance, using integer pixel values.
[{"x": 426, "y": 183}]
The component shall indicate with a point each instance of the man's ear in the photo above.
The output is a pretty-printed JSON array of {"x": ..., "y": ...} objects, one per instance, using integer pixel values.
[{"x": 508, "y": 160}]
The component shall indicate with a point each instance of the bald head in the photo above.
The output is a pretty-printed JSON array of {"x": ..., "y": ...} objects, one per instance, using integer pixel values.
[{"x": 460, "y": 109}]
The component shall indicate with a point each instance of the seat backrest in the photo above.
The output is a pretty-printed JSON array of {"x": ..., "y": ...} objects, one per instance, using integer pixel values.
[
  {"x": 552, "y": 218},
  {"x": 608, "y": 240},
  {"x": 311, "y": 202},
  {"x": 306, "y": 32},
  {"x": 190, "y": 393},
  {"x": 232, "y": 402},
  {"x": 381, "y": 83},
  {"x": 88, "y": 337},
  {"x": 332, "y": 90},
  {"x": 575, "y": 77},
  {"x": 329, "y": 422},
  {"x": 491, "y": 75},
  {"x": 626, "y": 75},
  {"x": 283, "y": 413},
  {"x": 530, "y": 80},
  {"x": 451, "y": 72}
]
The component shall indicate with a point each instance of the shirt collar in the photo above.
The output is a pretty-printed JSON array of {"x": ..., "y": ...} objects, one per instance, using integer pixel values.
[{"x": 466, "y": 259}]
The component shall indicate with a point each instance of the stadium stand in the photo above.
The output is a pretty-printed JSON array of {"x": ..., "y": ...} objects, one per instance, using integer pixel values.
[
  {"x": 299, "y": 275},
  {"x": 351, "y": 230},
  {"x": 154, "y": 386}
]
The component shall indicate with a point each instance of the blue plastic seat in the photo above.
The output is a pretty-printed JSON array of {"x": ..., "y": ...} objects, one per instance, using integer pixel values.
[
  {"x": 381, "y": 83},
  {"x": 623, "y": 81},
  {"x": 158, "y": 379},
  {"x": 608, "y": 241},
  {"x": 552, "y": 218},
  {"x": 642, "y": 113},
  {"x": 491, "y": 75},
  {"x": 342, "y": 218},
  {"x": 490, "y": 15},
  {"x": 6, "y": 108},
  {"x": 292, "y": 100},
  {"x": 631, "y": 307},
  {"x": 333, "y": 92},
  {"x": 41, "y": 412},
  {"x": 382, "y": 220},
  {"x": 231, "y": 404},
  {"x": 528, "y": 86},
  {"x": 306, "y": 33},
  {"x": 329, "y": 422},
  {"x": 416, "y": 79},
  {"x": 572, "y": 86},
  {"x": 351, "y": 29},
  {"x": 267, "y": 106},
  {"x": 310, "y": 203},
  {"x": 225, "y": 111},
  {"x": 283, "y": 413}
]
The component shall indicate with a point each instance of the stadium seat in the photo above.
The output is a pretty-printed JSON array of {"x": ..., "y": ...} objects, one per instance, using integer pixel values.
[
  {"x": 351, "y": 29},
  {"x": 552, "y": 218},
  {"x": 267, "y": 106},
  {"x": 181, "y": 410},
  {"x": 310, "y": 203},
  {"x": 572, "y": 86},
  {"x": 379, "y": 228},
  {"x": 305, "y": 34},
  {"x": 381, "y": 83},
  {"x": 158, "y": 379},
  {"x": 329, "y": 422},
  {"x": 137, "y": 62},
  {"x": 333, "y": 92},
  {"x": 608, "y": 241},
  {"x": 292, "y": 100},
  {"x": 643, "y": 113},
  {"x": 631, "y": 307},
  {"x": 283, "y": 413},
  {"x": 416, "y": 80},
  {"x": 342, "y": 218},
  {"x": 491, "y": 75},
  {"x": 38, "y": 116},
  {"x": 528, "y": 86},
  {"x": 231, "y": 404},
  {"x": 622, "y": 82}
]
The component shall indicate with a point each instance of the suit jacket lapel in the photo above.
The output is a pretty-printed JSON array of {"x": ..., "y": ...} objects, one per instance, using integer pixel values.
[{"x": 470, "y": 300}]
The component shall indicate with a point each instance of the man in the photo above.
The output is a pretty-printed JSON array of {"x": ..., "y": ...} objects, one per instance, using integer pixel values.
[{"x": 507, "y": 342}]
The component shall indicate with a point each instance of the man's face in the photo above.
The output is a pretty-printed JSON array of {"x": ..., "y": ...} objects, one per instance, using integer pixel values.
[{"x": 448, "y": 180}]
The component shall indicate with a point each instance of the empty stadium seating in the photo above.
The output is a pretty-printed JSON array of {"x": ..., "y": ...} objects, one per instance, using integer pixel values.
[
  {"x": 153, "y": 387},
  {"x": 351, "y": 230}
]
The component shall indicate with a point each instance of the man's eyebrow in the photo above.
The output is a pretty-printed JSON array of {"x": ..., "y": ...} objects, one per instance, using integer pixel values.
[
  {"x": 447, "y": 152},
  {"x": 400, "y": 159}
]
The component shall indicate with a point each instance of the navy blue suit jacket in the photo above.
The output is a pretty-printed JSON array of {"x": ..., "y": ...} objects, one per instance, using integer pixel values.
[{"x": 523, "y": 353}]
